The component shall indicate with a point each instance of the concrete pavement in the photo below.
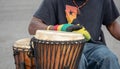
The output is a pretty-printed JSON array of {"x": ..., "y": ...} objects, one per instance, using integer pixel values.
[{"x": 15, "y": 16}]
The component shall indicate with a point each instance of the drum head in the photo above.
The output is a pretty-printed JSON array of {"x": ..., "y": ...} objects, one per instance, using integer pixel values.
[
  {"x": 22, "y": 43},
  {"x": 57, "y": 35}
]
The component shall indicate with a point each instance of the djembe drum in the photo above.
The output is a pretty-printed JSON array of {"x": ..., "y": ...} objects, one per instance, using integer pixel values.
[
  {"x": 57, "y": 50},
  {"x": 21, "y": 54}
]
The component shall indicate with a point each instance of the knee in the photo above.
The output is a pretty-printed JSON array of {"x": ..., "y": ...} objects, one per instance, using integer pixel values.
[
  {"x": 103, "y": 59},
  {"x": 103, "y": 54},
  {"x": 100, "y": 55},
  {"x": 107, "y": 57},
  {"x": 110, "y": 57}
]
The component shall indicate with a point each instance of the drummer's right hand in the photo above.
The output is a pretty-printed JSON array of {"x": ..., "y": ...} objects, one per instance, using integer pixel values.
[
  {"x": 85, "y": 33},
  {"x": 67, "y": 27}
]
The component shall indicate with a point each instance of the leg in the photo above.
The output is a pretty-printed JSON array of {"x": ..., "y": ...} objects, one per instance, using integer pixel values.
[
  {"x": 100, "y": 57},
  {"x": 83, "y": 62}
]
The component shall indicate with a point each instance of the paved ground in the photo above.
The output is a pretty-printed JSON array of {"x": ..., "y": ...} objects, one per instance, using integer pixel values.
[{"x": 15, "y": 16}]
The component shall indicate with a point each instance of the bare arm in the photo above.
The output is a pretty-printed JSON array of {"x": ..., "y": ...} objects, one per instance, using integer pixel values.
[
  {"x": 36, "y": 24},
  {"x": 114, "y": 29}
]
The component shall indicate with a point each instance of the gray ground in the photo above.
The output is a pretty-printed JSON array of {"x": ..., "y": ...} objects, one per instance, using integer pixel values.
[{"x": 15, "y": 16}]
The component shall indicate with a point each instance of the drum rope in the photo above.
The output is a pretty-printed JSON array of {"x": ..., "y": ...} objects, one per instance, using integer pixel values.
[{"x": 31, "y": 50}]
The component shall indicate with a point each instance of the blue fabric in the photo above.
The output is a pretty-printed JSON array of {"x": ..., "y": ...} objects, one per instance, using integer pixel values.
[{"x": 96, "y": 56}]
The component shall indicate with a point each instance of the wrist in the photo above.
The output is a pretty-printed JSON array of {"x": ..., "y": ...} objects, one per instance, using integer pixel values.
[
  {"x": 50, "y": 27},
  {"x": 62, "y": 27}
]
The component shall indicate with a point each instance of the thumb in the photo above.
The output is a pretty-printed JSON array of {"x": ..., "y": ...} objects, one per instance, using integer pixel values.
[{"x": 84, "y": 32}]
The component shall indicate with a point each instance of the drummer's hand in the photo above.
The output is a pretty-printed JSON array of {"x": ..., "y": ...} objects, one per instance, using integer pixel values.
[
  {"x": 67, "y": 27},
  {"x": 85, "y": 33}
]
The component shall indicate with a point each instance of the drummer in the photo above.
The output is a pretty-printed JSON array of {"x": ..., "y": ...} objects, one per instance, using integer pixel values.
[{"x": 85, "y": 17}]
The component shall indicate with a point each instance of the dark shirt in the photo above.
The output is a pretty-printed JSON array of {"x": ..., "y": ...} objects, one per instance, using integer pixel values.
[{"x": 93, "y": 15}]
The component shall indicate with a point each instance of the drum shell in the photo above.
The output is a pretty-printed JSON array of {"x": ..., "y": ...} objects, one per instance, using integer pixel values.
[
  {"x": 57, "y": 54},
  {"x": 21, "y": 51}
]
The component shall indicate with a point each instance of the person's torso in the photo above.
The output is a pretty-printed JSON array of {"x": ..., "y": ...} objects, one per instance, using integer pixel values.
[{"x": 91, "y": 15}]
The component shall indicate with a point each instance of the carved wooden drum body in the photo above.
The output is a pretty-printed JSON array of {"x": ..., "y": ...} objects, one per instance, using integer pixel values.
[
  {"x": 57, "y": 50},
  {"x": 21, "y": 50}
]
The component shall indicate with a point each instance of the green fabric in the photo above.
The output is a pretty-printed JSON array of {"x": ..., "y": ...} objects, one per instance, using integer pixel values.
[{"x": 65, "y": 26}]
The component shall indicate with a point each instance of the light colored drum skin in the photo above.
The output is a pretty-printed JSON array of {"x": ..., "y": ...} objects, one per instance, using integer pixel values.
[
  {"x": 20, "y": 50},
  {"x": 57, "y": 50},
  {"x": 57, "y": 35}
]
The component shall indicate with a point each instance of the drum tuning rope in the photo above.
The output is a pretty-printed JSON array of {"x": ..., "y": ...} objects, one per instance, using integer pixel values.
[{"x": 31, "y": 50}]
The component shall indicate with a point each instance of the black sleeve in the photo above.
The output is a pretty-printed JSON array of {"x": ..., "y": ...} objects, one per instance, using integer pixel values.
[
  {"x": 110, "y": 12},
  {"x": 46, "y": 12}
]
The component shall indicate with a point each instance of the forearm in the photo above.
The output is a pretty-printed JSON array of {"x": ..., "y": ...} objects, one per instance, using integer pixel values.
[
  {"x": 114, "y": 29},
  {"x": 36, "y": 24}
]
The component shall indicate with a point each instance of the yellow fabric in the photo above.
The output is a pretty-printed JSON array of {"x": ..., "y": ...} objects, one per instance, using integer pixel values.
[
  {"x": 85, "y": 33},
  {"x": 71, "y": 13},
  {"x": 59, "y": 27}
]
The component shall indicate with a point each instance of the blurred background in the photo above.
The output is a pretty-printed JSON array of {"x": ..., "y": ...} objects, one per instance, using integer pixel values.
[{"x": 15, "y": 16}]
